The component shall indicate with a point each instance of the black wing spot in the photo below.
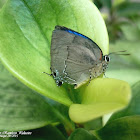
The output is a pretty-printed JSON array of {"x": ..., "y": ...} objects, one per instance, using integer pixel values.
[{"x": 60, "y": 83}]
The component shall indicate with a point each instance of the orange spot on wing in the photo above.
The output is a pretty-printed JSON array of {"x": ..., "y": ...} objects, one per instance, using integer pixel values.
[{"x": 100, "y": 56}]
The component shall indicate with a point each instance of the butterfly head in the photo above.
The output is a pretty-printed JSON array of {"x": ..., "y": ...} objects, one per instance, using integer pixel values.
[
  {"x": 105, "y": 62},
  {"x": 106, "y": 58},
  {"x": 57, "y": 77}
]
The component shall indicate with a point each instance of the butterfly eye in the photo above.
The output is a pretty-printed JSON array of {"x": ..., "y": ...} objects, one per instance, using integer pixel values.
[
  {"x": 106, "y": 58},
  {"x": 54, "y": 74}
]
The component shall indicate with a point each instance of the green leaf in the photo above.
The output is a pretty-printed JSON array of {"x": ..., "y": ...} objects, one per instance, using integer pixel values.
[
  {"x": 25, "y": 42},
  {"x": 100, "y": 97},
  {"x": 81, "y": 134},
  {"x": 133, "y": 107},
  {"x": 21, "y": 108},
  {"x": 93, "y": 124},
  {"x": 15, "y": 95},
  {"x": 61, "y": 113},
  {"x": 126, "y": 128},
  {"x": 46, "y": 133}
]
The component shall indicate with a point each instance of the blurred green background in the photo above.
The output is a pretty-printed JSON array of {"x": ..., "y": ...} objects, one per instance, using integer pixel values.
[{"x": 122, "y": 19}]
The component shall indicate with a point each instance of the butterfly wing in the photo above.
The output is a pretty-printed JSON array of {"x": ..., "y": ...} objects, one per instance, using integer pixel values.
[
  {"x": 59, "y": 42},
  {"x": 73, "y": 54},
  {"x": 80, "y": 63}
]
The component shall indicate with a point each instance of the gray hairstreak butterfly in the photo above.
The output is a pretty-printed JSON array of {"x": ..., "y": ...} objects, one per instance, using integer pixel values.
[{"x": 75, "y": 58}]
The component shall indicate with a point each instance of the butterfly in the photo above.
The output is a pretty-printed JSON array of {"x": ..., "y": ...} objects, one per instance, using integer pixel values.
[{"x": 75, "y": 58}]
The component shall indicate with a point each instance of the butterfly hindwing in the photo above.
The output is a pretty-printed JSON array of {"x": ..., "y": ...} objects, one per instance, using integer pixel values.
[{"x": 73, "y": 54}]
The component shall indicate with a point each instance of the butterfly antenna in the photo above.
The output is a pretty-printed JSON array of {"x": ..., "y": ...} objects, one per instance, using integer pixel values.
[
  {"x": 119, "y": 53},
  {"x": 123, "y": 54},
  {"x": 47, "y": 73}
]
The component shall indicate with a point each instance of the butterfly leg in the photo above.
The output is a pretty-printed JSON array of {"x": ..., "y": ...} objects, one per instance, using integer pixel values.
[
  {"x": 105, "y": 75},
  {"x": 90, "y": 77}
]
